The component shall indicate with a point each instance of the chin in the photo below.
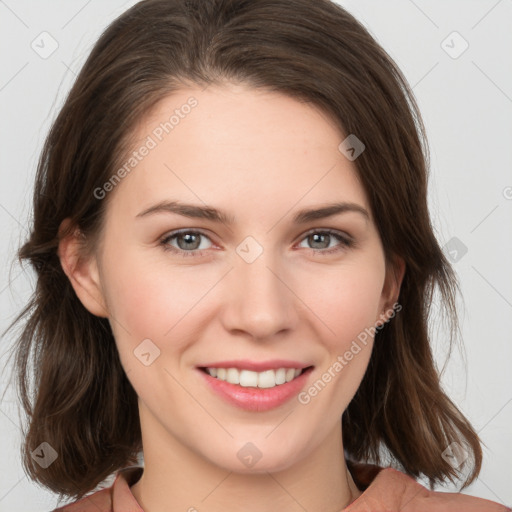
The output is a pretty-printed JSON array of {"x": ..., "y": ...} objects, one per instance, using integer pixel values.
[{"x": 249, "y": 459}]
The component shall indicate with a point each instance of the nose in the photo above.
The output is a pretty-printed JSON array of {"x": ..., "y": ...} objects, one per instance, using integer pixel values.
[{"x": 259, "y": 298}]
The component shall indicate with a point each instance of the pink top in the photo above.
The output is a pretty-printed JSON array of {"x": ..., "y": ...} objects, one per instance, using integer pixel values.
[{"x": 386, "y": 490}]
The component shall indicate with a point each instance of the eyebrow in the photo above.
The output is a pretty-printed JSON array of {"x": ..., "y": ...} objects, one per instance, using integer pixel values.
[{"x": 213, "y": 214}]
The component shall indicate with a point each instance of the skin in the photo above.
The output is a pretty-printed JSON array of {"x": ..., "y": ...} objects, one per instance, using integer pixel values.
[{"x": 260, "y": 156}]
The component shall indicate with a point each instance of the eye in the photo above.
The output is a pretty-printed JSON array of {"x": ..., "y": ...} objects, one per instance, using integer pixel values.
[
  {"x": 188, "y": 242},
  {"x": 319, "y": 239}
]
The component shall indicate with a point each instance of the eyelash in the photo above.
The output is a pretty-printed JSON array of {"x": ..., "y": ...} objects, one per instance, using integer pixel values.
[{"x": 346, "y": 242}]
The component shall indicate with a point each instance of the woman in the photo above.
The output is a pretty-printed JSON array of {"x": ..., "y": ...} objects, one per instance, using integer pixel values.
[{"x": 259, "y": 366}]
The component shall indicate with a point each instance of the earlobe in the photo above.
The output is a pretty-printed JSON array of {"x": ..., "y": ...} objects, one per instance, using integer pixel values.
[{"x": 82, "y": 271}]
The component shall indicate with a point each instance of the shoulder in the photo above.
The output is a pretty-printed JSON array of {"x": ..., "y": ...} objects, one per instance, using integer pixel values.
[
  {"x": 391, "y": 490},
  {"x": 99, "y": 501},
  {"x": 116, "y": 498}
]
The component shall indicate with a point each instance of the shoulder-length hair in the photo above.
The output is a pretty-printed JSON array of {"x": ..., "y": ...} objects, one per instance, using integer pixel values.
[{"x": 77, "y": 396}]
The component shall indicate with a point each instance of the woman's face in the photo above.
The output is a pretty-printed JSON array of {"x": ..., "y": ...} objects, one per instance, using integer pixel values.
[{"x": 265, "y": 286}]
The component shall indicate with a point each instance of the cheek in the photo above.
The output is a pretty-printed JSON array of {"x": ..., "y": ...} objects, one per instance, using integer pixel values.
[
  {"x": 154, "y": 301},
  {"x": 348, "y": 308},
  {"x": 347, "y": 300}
]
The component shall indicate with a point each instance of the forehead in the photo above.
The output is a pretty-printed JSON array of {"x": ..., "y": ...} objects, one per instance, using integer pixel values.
[{"x": 241, "y": 148}]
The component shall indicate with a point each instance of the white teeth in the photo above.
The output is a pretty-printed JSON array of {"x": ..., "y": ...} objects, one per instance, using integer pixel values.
[
  {"x": 267, "y": 379},
  {"x": 248, "y": 378},
  {"x": 280, "y": 376},
  {"x": 233, "y": 375}
]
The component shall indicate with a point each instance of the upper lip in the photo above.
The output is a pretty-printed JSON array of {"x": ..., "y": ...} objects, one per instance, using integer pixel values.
[{"x": 256, "y": 366}]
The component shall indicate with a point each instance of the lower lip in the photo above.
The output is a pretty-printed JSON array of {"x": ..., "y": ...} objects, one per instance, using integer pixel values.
[{"x": 256, "y": 399}]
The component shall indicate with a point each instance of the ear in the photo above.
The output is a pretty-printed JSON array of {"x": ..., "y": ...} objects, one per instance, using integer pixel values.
[
  {"x": 395, "y": 272},
  {"x": 81, "y": 270}
]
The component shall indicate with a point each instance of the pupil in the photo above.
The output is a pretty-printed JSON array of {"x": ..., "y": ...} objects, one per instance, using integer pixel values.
[
  {"x": 316, "y": 236},
  {"x": 189, "y": 238}
]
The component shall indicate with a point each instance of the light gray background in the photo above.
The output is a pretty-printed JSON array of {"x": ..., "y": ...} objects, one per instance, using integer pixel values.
[{"x": 466, "y": 101}]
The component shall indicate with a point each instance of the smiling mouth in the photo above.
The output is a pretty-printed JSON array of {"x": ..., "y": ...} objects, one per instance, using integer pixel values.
[{"x": 248, "y": 378}]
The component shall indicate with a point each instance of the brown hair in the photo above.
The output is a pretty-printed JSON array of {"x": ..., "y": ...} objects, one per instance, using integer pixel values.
[{"x": 81, "y": 402}]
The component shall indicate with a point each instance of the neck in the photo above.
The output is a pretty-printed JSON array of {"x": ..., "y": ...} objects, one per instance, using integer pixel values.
[{"x": 177, "y": 478}]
